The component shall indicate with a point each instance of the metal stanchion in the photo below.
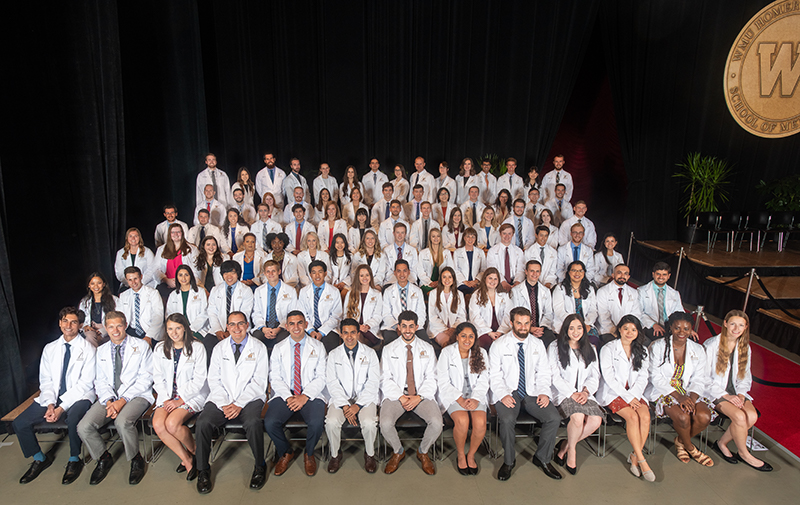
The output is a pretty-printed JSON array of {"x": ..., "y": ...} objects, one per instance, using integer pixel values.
[
  {"x": 678, "y": 270},
  {"x": 630, "y": 245},
  {"x": 701, "y": 316},
  {"x": 749, "y": 288}
]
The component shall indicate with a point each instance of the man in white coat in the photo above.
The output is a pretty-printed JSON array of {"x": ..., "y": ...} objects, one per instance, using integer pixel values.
[
  {"x": 272, "y": 302},
  {"x": 124, "y": 387},
  {"x": 421, "y": 228},
  {"x": 423, "y": 178},
  {"x": 327, "y": 181},
  {"x": 398, "y": 249},
  {"x": 382, "y": 208},
  {"x": 203, "y": 229},
  {"x": 297, "y": 197},
  {"x": 511, "y": 181},
  {"x": 658, "y": 301},
  {"x": 546, "y": 255},
  {"x": 487, "y": 183},
  {"x": 399, "y": 297},
  {"x": 66, "y": 391},
  {"x": 295, "y": 180},
  {"x": 524, "y": 234},
  {"x": 519, "y": 374},
  {"x": 408, "y": 384},
  {"x": 297, "y": 378},
  {"x": 555, "y": 177},
  {"x": 507, "y": 258},
  {"x": 387, "y": 227},
  {"x": 373, "y": 182},
  {"x": 264, "y": 226},
  {"x": 590, "y": 234},
  {"x": 536, "y": 298},
  {"x": 216, "y": 209},
  {"x": 237, "y": 381},
  {"x": 322, "y": 305},
  {"x": 560, "y": 206},
  {"x": 574, "y": 250},
  {"x": 231, "y": 296},
  {"x": 270, "y": 179},
  {"x": 171, "y": 215},
  {"x": 353, "y": 381},
  {"x": 614, "y": 300},
  {"x": 214, "y": 176},
  {"x": 143, "y": 307}
]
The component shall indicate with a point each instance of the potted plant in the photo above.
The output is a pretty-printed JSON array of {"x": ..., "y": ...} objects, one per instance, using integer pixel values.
[
  {"x": 703, "y": 180},
  {"x": 784, "y": 193}
]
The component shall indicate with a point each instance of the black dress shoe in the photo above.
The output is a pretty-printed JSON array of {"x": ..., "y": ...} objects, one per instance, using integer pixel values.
[
  {"x": 547, "y": 468},
  {"x": 36, "y": 468},
  {"x": 463, "y": 471},
  {"x": 505, "y": 471},
  {"x": 473, "y": 470},
  {"x": 180, "y": 469},
  {"x": 137, "y": 470},
  {"x": 259, "y": 477},
  {"x": 192, "y": 475},
  {"x": 728, "y": 459},
  {"x": 72, "y": 472},
  {"x": 766, "y": 467},
  {"x": 571, "y": 469},
  {"x": 559, "y": 461},
  {"x": 204, "y": 481},
  {"x": 104, "y": 464}
]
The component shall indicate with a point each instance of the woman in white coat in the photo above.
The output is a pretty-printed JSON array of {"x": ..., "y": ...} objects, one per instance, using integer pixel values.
[
  {"x": 431, "y": 261},
  {"x": 546, "y": 218},
  {"x": 350, "y": 209},
  {"x": 488, "y": 308},
  {"x": 359, "y": 228},
  {"x": 624, "y": 366},
  {"x": 728, "y": 367},
  {"x": 179, "y": 380},
  {"x": 370, "y": 253},
  {"x": 463, "y": 180},
  {"x": 442, "y": 209},
  {"x": 330, "y": 226},
  {"x": 274, "y": 212},
  {"x": 576, "y": 377},
  {"x": 605, "y": 261},
  {"x": 575, "y": 295},
  {"x": 340, "y": 264},
  {"x": 678, "y": 383},
  {"x": 462, "y": 375},
  {"x": 207, "y": 264},
  {"x": 446, "y": 309},
  {"x": 251, "y": 259},
  {"x": 189, "y": 300},
  {"x": 134, "y": 254},
  {"x": 486, "y": 230},
  {"x": 310, "y": 252},
  {"x": 95, "y": 305},
  {"x": 452, "y": 233},
  {"x": 364, "y": 303},
  {"x": 400, "y": 184},
  {"x": 175, "y": 252},
  {"x": 469, "y": 263},
  {"x": 233, "y": 232},
  {"x": 349, "y": 184}
]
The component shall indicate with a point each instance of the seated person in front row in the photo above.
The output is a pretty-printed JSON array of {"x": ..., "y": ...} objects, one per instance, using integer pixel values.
[
  {"x": 124, "y": 387},
  {"x": 408, "y": 384},
  {"x": 535, "y": 297},
  {"x": 519, "y": 376},
  {"x": 142, "y": 305},
  {"x": 237, "y": 381},
  {"x": 272, "y": 302},
  {"x": 297, "y": 380},
  {"x": 398, "y": 298},
  {"x": 66, "y": 389},
  {"x": 226, "y": 298},
  {"x": 322, "y": 305},
  {"x": 353, "y": 380}
]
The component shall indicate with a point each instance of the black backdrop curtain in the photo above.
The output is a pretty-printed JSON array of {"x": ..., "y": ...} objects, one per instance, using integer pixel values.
[{"x": 666, "y": 62}]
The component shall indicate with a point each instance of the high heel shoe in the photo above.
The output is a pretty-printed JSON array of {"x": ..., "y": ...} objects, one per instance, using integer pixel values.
[
  {"x": 634, "y": 467},
  {"x": 648, "y": 475},
  {"x": 558, "y": 460},
  {"x": 571, "y": 469}
]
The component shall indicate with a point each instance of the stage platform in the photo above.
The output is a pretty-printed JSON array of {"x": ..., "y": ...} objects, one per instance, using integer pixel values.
[{"x": 767, "y": 258}]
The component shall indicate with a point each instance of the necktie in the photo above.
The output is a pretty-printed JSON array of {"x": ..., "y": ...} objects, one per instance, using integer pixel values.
[
  {"x": 237, "y": 352},
  {"x": 558, "y": 177},
  {"x": 508, "y": 267},
  {"x": 412, "y": 387},
  {"x": 63, "y": 387},
  {"x": 620, "y": 296},
  {"x": 298, "y": 236},
  {"x": 117, "y": 367},
  {"x": 575, "y": 252},
  {"x": 386, "y": 214},
  {"x": 403, "y": 302},
  {"x": 133, "y": 258},
  {"x": 474, "y": 213},
  {"x": 272, "y": 316},
  {"x": 374, "y": 179},
  {"x": 298, "y": 385},
  {"x": 519, "y": 232},
  {"x": 469, "y": 260},
  {"x": 208, "y": 207},
  {"x": 136, "y": 312},
  {"x": 661, "y": 305},
  {"x": 264, "y": 236},
  {"x": 534, "y": 306},
  {"x": 559, "y": 205},
  {"x": 317, "y": 294},
  {"x": 399, "y": 253},
  {"x": 487, "y": 180},
  {"x": 521, "y": 386},
  {"x": 541, "y": 254},
  {"x": 271, "y": 174},
  {"x": 416, "y": 204},
  {"x": 297, "y": 176},
  {"x": 228, "y": 297},
  {"x": 213, "y": 183},
  {"x": 425, "y": 234},
  {"x": 234, "y": 249}
]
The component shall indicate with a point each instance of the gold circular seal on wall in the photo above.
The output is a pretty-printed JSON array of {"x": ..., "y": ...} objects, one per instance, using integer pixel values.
[{"x": 762, "y": 72}]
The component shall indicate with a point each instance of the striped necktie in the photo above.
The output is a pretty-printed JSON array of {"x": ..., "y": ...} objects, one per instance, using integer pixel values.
[{"x": 521, "y": 359}]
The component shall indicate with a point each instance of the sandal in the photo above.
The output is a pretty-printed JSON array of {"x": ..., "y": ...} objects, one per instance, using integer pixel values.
[
  {"x": 634, "y": 466},
  {"x": 648, "y": 475},
  {"x": 701, "y": 457},
  {"x": 683, "y": 454}
]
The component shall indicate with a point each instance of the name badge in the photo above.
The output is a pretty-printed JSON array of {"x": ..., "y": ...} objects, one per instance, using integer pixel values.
[
  {"x": 135, "y": 350},
  {"x": 313, "y": 354},
  {"x": 80, "y": 356},
  {"x": 250, "y": 357},
  {"x": 372, "y": 299},
  {"x": 328, "y": 297},
  {"x": 423, "y": 354},
  {"x": 285, "y": 296}
]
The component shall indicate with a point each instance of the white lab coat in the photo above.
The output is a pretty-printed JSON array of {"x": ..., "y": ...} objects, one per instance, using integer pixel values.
[
  {"x": 151, "y": 311},
  {"x": 259, "y": 257},
  {"x": 609, "y": 310},
  {"x": 349, "y": 213},
  {"x": 390, "y": 257},
  {"x": 528, "y": 232},
  {"x": 379, "y": 213},
  {"x": 196, "y": 309},
  {"x": 225, "y": 242},
  {"x": 264, "y": 184},
  {"x": 290, "y": 268},
  {"x": 145, "y": 264},
  {"x": 330, "y": 183},
  {"x": 137, "y": 371},
  {"x": 616, "y": 370},
  {"x": 427, "y": 181},
  {"x": 285, "y": 302},
  {"x": 602, "y": 270},
  {"x": 193, "y": 237},
  {"x": 442, "y": 216},
  {"x": 373, "y": 186},
  {"x": 86, "y": 306},
  {"x": 345, "y": 199},
  {"x": 241, "y": 300},
  {"x": 371, "y": 310},
  {"x": 290, "y": 182},
  {"x": 488, "y": 188},
  {"x": 648, "y": 300},
  {"x": 361, "y": 382},
  {"x": 470, "y": 218},
  {"x": 559, "y": 215},
  {"x": 440, "y": 320},
  {"x": 191, "y": 376},
  {"x": 215, "y": 273},
  {"x": 223, "y": 186},
  {"x": 354, "y": 238},
  {"x": 163, "y": 227},
  {"x": 386, "y": 230},
  {"x": 312, "y": 369},
  {"x": 481, "y": 315},
  {"x": 258, "y": 230},
  {"x": 504, "y": 367},
  {"x": 238, "y": 383},
  {"x": 425, "y": 266},
  {"x": 446, "y": 182},
  {"x": 410, "y": 210},
  {"x": 586, "y": 255},
  {"x": 291, "y": 231},
  {"x": 695, "y": 376},
  {"x": 718, "y": 384},
  {"x": 461, "y": 264},
  {"x": 392, "y": 306},
  {"x": 564, "y": 305},
  {"x": 486, "y": 241},
  {"x": 564, "y": 379},
  {"x": 159, "y": 270},
  {"x": 394, "y": 369},
  {"x": 340, "y": 272},
  {"x": 452, "y": 240},
  {"x": 323, "y": 230},
  {"x": 216, "y": 216},
  {"x": 304, "y": 261},
  {"x": 544, "y": 303},
  {"x": 463, "y": 183},
  {"x": 450, "y": 378},
  {"x": 548, "y": 187},
  {"x": 329, "y": 307},
  {"x": 378, "y": 266},
  {"x": 80, "y": 372},
  {"x": 513, "y": 183},
  {"x": 496, "y": 257},
  {"x": 589, "y": 233},
  {"x": 548, "y": 275},
  {"x": 414, "y": 238}
]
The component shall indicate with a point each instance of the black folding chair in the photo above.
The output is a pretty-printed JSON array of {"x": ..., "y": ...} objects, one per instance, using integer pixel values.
[
  {"x": 729, "y": 223},
  {"x": 705, "y": 221}
]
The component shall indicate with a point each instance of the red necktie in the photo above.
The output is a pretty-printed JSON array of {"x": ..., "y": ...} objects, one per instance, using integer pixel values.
[
  {"x": 208, "y": 207},
  {"x": 399, "y": 253},
  {"x": 330, "y": 239},
  {"x": 297, "y": 381},
  {"x": 620, "y": 296},
  {"x": 298, "y": 237},
  {"x": 508, "y": 267}
]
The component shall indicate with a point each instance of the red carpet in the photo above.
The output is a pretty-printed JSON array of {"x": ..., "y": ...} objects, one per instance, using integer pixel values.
[{"x": 772, "y": 401}]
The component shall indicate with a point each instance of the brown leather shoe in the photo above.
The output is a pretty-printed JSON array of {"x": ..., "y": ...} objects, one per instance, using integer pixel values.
[
  {"x": 427, "y": 464},
  {"x": 310, "y": 464},
  {"x": 394, "y": 462},
  {"x": 370, "y": 463},
  {"x": 283, "y": 464},
  {"x": 335, "y": 463}
]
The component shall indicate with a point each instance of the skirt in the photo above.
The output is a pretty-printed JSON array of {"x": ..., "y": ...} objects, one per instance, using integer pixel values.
[
  {"x": 455, "y": 407},
  {"x": 668, "y": 401},
  {"x": 570, "y": 406},
  {"x": 618, "y": 404}
]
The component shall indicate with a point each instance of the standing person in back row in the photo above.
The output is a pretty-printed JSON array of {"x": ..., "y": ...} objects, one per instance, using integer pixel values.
[
  {"x": 423, "y": 178},
  {"x": 218, "y": 180},
  {"x": 270, "y": 180},
  {"x": 557, "y": 176}
]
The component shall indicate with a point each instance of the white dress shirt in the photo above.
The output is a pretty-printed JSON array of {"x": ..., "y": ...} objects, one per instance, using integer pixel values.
[
  {"x": 609, "y": 308},
  {"x": 392, "y": 305}
]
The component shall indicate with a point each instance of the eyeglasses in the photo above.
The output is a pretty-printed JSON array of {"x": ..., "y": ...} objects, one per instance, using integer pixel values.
[{"x": 234, "y": 324}]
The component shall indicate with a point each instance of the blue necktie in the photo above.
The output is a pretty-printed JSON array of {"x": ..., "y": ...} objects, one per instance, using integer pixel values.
[
  {"x": 233, "y": 240},
  {"x": 63, "y": 388},
  {"x": 387, "y": 210},
  {"x": 272, "y": 318},
  {"x": 521, "y": 358},
  {"x": 575, "y": 252},
  {"x": 271, "y": 174},
  {"x": 317, "y": 294}
]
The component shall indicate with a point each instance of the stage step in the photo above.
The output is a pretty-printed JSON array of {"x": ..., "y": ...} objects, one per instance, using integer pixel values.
[
  {"x": 782, "y": 288},
  {"x": 780, "y": 316}
]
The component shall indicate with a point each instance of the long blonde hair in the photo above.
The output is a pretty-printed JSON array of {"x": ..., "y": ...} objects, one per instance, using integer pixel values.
[
  {"x": 362, "y": 247},
  {"x": 127, "y": 247},
  {"x": 354, "y": 304},
  {"x": 742, "y": 346},
  {"x": 436, "y": 254}
]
